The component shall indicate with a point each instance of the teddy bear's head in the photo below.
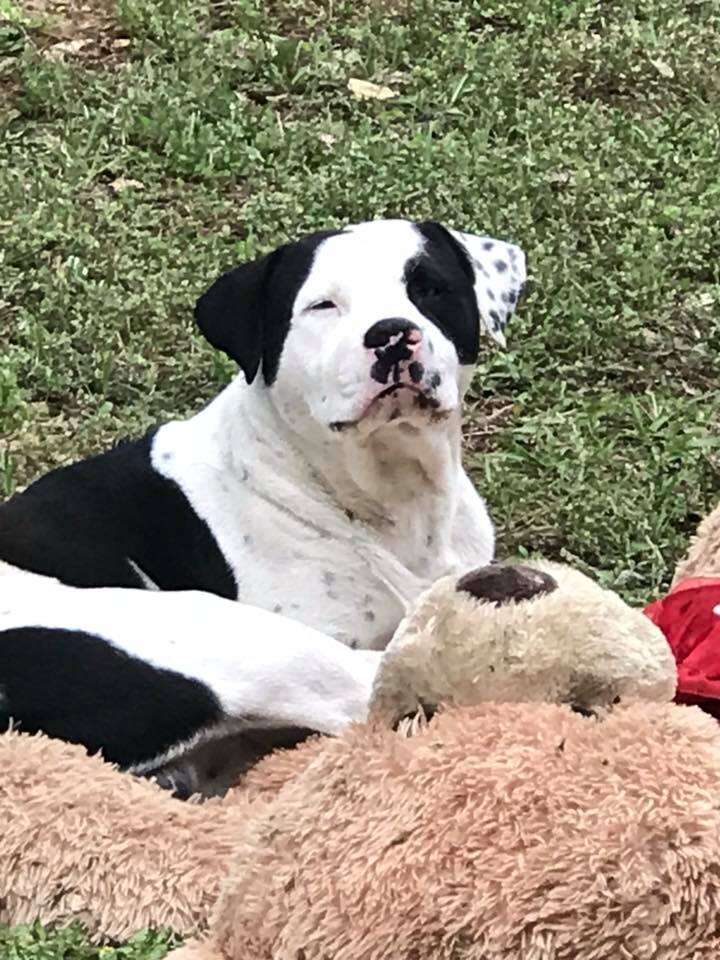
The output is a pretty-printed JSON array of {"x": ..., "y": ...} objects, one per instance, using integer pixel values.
[{"x": 539, "y": 632}]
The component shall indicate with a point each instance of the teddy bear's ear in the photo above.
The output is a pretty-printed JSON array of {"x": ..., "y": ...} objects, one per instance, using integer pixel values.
[{"x": 504, "y": 583}]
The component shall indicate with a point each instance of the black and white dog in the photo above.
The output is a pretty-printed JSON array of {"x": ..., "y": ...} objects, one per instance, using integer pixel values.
[{"x": 323, "y": 489}]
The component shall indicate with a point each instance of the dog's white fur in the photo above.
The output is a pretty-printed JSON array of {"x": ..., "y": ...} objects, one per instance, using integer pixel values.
[
  {"x": 339, "y": 529},
  {"x": 264, "y": 668}
]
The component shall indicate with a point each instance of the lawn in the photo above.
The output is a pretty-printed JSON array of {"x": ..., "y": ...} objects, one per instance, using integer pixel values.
[{"x": 148, "y": 146}]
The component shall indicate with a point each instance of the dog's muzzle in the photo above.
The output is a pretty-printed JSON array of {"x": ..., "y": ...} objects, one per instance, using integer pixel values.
[
  {"x": 395, "y": 343},
  {"x": 395, "y": 347}
]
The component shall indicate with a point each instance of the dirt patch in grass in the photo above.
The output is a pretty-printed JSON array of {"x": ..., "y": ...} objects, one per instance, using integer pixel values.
[
  {"x": 485, "y": 419},
  {"x": 87, "y": 33}
]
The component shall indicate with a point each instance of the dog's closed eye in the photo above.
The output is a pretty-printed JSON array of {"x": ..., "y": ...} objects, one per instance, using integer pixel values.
[
  {"x": 425, "y": 286},
  {"x": 323, "y": 305}
]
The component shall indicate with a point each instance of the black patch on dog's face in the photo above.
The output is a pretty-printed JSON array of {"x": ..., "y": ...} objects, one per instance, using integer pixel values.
[
  {"x": 441, "y": 284},
  {"x": 246, "y": 313},
  {"x": 500, "y": 584}
]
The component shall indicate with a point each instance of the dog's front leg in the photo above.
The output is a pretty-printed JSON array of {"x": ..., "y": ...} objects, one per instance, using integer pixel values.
[
  {"x": 277, "y": 681},
  {"x": 183, "y": 685},
  {"x": 276, "y": 696}
]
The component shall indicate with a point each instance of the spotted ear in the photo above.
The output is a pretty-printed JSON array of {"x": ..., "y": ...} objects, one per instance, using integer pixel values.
[
  {"x": 231, "y": 314},
  {"x": 500, "y": 275}
]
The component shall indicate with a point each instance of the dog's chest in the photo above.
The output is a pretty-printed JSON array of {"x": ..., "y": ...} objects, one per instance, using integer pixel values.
[
  {"x": 289, "y": 567},
  {"x": 324, "y": 586},
  {"x": 308, "y": 564},
  {"x": 301, "y": 555}
]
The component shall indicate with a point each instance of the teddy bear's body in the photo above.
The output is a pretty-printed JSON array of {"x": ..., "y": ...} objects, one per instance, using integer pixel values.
[
  {"x": 506, "y": 831},
  {"x": 500, "y": 831}
]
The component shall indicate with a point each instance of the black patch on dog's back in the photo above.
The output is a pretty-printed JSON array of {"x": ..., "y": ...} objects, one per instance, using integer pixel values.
[
  {"x": 441, "y": 284},
  {"x": 83, "y": 523},
  {"x": 77, "y": 687}
]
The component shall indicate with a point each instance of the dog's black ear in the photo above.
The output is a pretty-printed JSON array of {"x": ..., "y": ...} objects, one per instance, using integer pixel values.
[
  {"x": 248, "y": 311},
  {"x": 232, "y": 314}
]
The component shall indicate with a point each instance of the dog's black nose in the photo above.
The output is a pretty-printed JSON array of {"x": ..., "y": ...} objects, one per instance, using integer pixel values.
[{"x": 380, "y": 333}]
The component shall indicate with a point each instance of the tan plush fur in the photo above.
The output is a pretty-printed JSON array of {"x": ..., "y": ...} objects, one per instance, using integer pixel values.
[
  {"x": 510, "y": 832},
  {"x": 197, "y": 950},
  {"x": 269, "y": 776},
  {"x": 499, "y": 831},
  {"x": 579, "y": 645},
  {"x": 703, "y": 558},
  {"x": 82, "y": 841}
]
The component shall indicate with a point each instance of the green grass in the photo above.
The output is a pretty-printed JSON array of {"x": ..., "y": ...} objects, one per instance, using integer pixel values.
[
  {"x": 70, "y": 943},
  {"x": 585, "y": 130}
]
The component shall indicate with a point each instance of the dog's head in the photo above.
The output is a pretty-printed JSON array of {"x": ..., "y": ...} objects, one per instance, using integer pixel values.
[{"x": 377, "y": 322}]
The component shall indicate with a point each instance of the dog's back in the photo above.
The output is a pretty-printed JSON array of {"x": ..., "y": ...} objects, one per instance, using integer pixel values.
[{"x": 112, "y": 520}]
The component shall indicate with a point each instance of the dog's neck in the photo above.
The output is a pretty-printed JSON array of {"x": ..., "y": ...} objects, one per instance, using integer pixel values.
[{"x": 400, "y": 475}]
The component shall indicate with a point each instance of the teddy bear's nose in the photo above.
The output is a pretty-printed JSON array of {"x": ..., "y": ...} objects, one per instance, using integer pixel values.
[{"x": 501, "y": 583}]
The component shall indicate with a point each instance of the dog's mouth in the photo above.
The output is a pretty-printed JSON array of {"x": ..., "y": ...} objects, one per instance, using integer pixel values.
[{"x": 410, "y": 398}]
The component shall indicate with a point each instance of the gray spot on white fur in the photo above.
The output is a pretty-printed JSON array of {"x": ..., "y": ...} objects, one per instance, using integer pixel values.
[{"x": 480, "y": 268}]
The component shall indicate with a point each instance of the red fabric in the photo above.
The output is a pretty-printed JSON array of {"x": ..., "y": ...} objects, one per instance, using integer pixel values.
[{"x": 686, "y": 616}]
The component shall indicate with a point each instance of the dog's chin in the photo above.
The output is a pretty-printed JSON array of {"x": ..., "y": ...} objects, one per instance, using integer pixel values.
[{"x": 396, "y": 404}]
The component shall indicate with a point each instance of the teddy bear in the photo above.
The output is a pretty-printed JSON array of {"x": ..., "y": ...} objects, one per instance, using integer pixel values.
[
  {"x": 558, "y": 806},
  {"x": 479, "y": 638},
  {"x": 524, "y": 786}
]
